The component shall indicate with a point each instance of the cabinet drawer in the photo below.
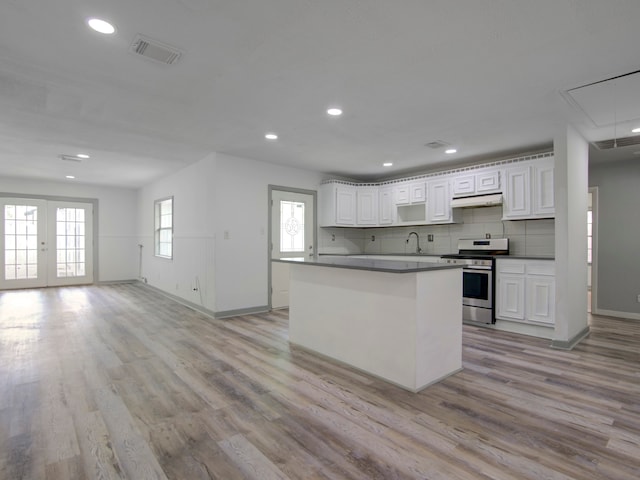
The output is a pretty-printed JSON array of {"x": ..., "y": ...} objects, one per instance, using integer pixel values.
[
  {"x": 546, "y": 268},
  {"x": 511, "y": 267}
]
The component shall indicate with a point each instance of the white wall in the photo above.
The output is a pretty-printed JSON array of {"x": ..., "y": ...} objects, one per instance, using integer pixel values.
[
  {"x": 618, "y": 282},
  {"x": 116, "y": 241},
  {"x": 219, "y": 194},
  {"x": 242, "y": 210},
  {"x": 192, "y": 266},
  {"x": 571, "y": 198}
]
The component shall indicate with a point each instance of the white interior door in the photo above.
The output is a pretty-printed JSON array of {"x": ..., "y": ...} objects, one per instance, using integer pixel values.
[
  {"x": 45, "y": 243},
  {"x": 292, "y": 236}
]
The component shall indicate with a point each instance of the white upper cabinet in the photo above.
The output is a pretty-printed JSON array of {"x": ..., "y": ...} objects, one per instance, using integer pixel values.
[
  {"x": 476, "y": 183},
  {"x": 439, "y": 202},
  {"x": 401, "y": 194},
  {"x": 529, "y": 190},
  {"x": 407, "y": 193},
  {"x": 488, "y": 182},
  {"x": 386, "y": 207},
  {"x": 464, "y": 185},
  {"x": 543, "y": 196},
  {"x": 418, "y": 192},
  {"x": 337, "y": 205},
  {"x": 517, "y": 193},
  {"x": 526, "y": 186},
  {"x": 367, "y": 205}
]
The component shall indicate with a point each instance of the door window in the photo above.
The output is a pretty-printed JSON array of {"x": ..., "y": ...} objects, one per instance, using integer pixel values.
[
  {"x": 291, "y": 226},
  {"x": 20, "y": 242},
  {"x": 70, "y": 242}
]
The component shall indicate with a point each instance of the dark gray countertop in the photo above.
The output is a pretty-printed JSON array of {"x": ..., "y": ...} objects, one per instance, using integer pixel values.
[
  {"x": 409, "y": 255},
  {"x": 389, "y": 266},
  {"x": 524, "y": 257}
]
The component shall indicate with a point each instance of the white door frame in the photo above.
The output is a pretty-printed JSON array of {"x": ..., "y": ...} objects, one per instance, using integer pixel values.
[
  {"x": 594, "y": 249},
  {"x": 271, "y": 188},
  {"x": 55, "y": 198}
]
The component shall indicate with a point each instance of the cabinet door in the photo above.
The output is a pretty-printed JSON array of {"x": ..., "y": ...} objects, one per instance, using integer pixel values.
[
  {"x": 367, "y": 201},
  {"x": 541, "y": 303},
  {"x": 439, "y": 204},
  {"x": 401, "y": 194},
  {"x": 464, "y": 185},
  {"x": 517, "y": 194},
  {"x": 510, "y": 296},
  {"x": 543, "y": 195},
  {"x": 345, "y": 205},
  {"x": 385, "y": 206},
  {"x": 418, "y": 192},
  {"x": 488, "y": 182}
]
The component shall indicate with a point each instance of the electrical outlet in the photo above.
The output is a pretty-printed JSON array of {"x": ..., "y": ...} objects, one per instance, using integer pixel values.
[
  {"x": 638, "y": 298},
  {"x": 487, "y": 235},
  {"x": 373, "y": 238},
  {"x": 430, "y": 237}
]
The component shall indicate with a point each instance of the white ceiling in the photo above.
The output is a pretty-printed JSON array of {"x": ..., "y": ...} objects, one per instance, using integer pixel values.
[{"x": 487, "y": 76}]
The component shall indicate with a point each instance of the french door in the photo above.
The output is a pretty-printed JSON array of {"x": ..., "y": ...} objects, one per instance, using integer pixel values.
[{"x": 45, "y": 243}]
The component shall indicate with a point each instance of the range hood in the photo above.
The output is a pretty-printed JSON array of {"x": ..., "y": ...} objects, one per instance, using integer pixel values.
[{"x": 477, "y": 201}]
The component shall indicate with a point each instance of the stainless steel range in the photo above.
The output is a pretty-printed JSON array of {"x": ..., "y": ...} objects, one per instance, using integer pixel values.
[{"x": 478, "y": 276}]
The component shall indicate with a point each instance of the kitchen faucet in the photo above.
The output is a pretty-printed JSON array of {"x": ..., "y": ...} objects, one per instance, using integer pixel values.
[{"x": 418, "y": 249}]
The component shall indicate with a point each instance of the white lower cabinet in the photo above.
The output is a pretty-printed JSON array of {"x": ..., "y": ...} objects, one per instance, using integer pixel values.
[
  {"x": 526, "y": 291},
  {"x": 510, "y": 296},
  {"x": 541, "y": 294}
]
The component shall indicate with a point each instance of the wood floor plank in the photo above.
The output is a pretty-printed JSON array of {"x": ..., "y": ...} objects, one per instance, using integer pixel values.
[{"x": 119, "y": 382}]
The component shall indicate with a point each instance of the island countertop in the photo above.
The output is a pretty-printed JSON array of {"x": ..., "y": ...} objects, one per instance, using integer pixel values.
[{"x": 372, "y": 264}]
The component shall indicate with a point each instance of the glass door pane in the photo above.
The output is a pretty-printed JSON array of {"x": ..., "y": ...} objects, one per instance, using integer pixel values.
[
  {"x": 22, "y": 240},
  {"x": 70, "y": 258}
]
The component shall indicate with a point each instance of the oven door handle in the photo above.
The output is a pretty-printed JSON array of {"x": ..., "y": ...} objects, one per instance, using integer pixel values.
[{"x": 480, "y": 267}]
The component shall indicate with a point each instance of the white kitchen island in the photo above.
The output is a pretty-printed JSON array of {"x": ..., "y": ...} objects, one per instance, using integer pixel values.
[{"x": 397, "y": 320}]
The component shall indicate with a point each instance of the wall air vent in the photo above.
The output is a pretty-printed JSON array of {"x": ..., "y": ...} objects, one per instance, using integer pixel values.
[
  {"x": 154, "y": 50},
  {"x": 617, "y": 142},
  {"x": 437, "y": 144}
]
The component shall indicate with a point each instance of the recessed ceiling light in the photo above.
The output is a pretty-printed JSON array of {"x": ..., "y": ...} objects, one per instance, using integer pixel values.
[
  {"x": 387, "y": 164},
  {"x": 101, "y": 26},
  {"x": 271, "y": 136},
  {"x": 71, "y": 177},
  {"x": 450, "y": 151},
  {"x": 636, "y": 130},
  {"x": 82, "y": 155},
  {"x": 334, "y": 111}
]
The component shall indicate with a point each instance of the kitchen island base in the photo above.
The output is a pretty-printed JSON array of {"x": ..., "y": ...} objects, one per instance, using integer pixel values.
[{"x": 405, "y": 328}]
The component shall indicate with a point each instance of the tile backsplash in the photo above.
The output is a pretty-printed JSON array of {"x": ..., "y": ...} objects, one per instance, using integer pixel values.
[{"x": 526, "y": 237}]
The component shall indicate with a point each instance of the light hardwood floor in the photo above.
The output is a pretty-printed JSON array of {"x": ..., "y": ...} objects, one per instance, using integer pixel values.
[{"x": 120, "y": 382}]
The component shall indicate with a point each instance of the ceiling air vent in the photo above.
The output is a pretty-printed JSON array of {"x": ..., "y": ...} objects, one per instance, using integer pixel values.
[
  {"x": 154, "y": 50},
  {"x": 70, "y": 158},
  {"x": 617, "y": 142},
  {"x": 437, "y": 144}
]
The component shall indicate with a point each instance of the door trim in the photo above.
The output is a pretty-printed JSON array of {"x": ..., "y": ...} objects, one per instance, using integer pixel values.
[
  {"x": 56, "y": 198},
  {"x": 271, "y": 188},
  {"x": 594, "y": 250}
]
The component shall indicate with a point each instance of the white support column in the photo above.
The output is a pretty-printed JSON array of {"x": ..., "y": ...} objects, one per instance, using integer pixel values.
[{"x": 571, "y": 152}]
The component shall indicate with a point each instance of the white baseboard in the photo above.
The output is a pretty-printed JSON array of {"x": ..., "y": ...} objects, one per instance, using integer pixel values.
[{"x": 614, "y": 313}]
